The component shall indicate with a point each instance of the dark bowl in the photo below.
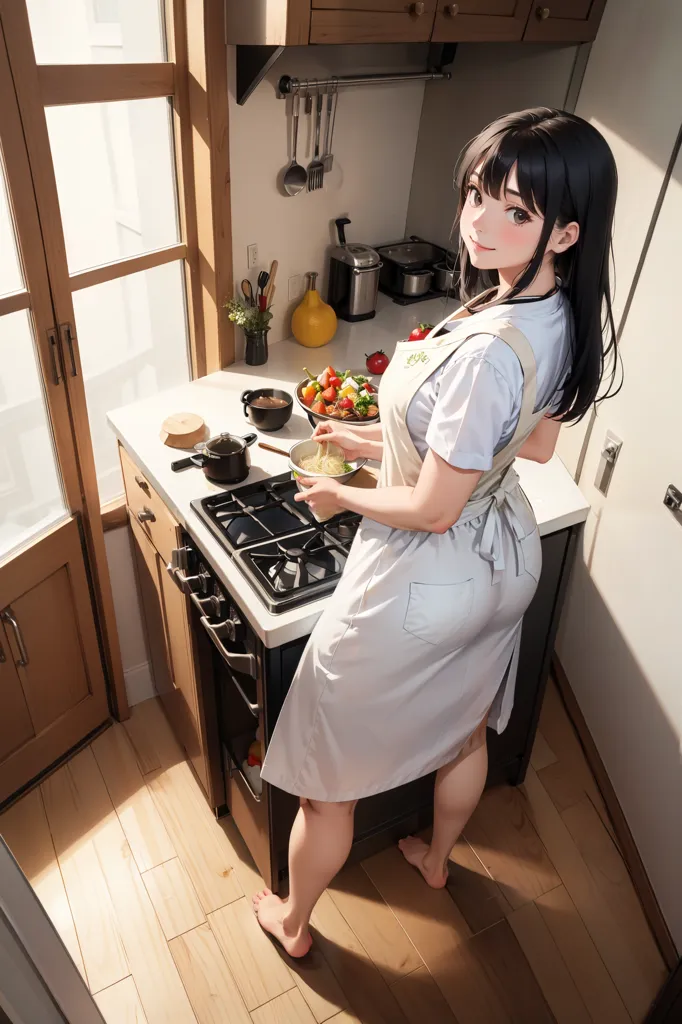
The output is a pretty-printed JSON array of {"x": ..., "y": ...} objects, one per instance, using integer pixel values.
[{"x": 263, "y": 418}]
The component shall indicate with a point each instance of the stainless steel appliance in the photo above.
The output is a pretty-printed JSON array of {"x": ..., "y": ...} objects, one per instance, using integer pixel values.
[
  {"x": 353, "y": 277},
  {"x": 416, "y": 282},
  {"x": 290, "y": 559},
  {"x": 408, "y": 270},
  {"x": 444, "y": 276}
]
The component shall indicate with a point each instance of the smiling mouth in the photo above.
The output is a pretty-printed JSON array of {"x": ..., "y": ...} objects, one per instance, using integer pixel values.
[{"x": 477, "y": 245}]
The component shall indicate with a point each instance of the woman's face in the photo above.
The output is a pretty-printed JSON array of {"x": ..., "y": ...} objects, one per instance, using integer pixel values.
[{"x": 499, "y": 233}]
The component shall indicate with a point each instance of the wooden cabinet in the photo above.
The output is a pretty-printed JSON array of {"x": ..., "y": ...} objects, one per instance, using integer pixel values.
[
  {"x": 371, "y": 21},
  {"x": 298, "y": 22},
  {"x": 479, "y": 21},
  {"x": 168, "y": 621},
  {"x": 566, "y": 21},
  {"x": 52, "y": 690}
]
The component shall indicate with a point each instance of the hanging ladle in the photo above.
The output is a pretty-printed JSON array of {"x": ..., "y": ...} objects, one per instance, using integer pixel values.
[{"x": 295, "y": 176}]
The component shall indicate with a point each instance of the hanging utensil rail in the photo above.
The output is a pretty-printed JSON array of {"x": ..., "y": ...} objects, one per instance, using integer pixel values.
[{"x": 288, "y": 84}]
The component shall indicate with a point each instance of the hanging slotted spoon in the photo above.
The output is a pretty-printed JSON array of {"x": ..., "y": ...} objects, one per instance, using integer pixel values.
[{"x": 316, "y": 167}]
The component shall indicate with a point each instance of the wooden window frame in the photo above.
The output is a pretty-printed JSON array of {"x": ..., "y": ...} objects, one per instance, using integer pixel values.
[{"x": 195, "y": 77}]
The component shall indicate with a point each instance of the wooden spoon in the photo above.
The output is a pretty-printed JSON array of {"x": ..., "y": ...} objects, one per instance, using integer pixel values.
[{"x": 271, "y": 448}]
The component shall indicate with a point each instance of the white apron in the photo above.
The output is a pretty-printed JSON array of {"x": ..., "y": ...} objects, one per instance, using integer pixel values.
[{"x": 420, "y": 637}]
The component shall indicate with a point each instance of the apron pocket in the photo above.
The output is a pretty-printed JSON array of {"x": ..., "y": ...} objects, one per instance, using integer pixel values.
[
  {"x": 437, "y": 612},
  {"x": 531, "y": 552}
]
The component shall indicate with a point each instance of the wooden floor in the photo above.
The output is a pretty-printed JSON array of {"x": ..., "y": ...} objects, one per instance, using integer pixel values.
[{"x": 539, "y": 922}]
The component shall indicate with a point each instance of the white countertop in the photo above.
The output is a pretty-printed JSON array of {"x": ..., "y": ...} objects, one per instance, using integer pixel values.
[{"x": 555, "y": 498}]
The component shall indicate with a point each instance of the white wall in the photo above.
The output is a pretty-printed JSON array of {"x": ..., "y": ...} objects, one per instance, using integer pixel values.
[
  {"x": 620, "y": 640},
  {"x": 631, "y": 93},
  {"x": 374, "y": 144},
  {"x": 488, "y": 79}
]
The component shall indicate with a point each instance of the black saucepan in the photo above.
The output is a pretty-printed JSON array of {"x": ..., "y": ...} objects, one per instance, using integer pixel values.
[
  {"x": 263, "y": 417},
  {"x": 225, "y": 459}
]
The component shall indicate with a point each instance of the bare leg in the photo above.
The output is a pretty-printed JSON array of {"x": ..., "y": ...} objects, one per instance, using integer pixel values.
[
  {"x": 458, "y": 789},
  {"x": 320, "y": 842}
]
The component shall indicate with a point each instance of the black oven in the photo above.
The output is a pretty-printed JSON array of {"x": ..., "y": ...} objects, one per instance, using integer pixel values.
[{"x": 246, "y": 684}]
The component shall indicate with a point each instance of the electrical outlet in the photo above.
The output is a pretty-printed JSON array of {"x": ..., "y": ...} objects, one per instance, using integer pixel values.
[
  {"x": 252, "y": 256},
  {"x": 295, "y": 287}
]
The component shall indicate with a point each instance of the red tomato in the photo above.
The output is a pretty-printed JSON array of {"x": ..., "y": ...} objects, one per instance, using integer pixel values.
[
  {"x": 329, "y": 395},
  {"x": 419, "y": 333},
  {"x": 377, "y": 363},
  {"x": 369, "y": 388},
  {"x": 335, "y": 382},
  {"x": 331, "y": 371},
  {"x": 345, "y": 403},
  {"x": 319, "y": 407}
]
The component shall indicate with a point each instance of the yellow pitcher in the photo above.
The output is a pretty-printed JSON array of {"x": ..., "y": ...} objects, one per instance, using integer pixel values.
[{"x": 313, "y": 323}]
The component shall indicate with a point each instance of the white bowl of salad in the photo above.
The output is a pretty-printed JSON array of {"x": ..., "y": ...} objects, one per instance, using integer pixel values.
[{"x": 346, "y": 395}]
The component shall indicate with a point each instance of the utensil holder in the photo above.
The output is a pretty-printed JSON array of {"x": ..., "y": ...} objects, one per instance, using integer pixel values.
[{"x": 256, "y": 347}]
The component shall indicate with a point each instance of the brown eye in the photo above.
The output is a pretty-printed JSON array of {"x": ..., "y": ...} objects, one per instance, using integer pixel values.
[
  {"x": 473, "y": 196},
  {"x": 517, "y": 216}
]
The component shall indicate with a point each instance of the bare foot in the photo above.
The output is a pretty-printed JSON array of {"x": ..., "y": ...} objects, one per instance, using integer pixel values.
[
  {"x": 414, "y": 851},
  {"x": 270, "y": 911}
]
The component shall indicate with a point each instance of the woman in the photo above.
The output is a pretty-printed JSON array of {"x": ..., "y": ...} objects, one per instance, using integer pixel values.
[{"x": 416, "y": 651}]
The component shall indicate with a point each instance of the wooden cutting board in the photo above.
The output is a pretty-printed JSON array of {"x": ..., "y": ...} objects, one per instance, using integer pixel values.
[
  {"x": 364, "y": 477},
  {"x": 183, "y": 430}
]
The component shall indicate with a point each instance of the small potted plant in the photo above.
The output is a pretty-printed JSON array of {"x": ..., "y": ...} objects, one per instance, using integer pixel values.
[{"x": 254, "y": 323}]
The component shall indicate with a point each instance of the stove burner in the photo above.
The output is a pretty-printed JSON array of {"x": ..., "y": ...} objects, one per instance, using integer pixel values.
[
  {"x": 285, "y": 568},
  {"x": 286, "y": 554}
]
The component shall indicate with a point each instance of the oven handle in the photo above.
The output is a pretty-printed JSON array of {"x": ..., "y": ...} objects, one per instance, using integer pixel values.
[
  {"x": 234, "y": 767},
  {"x": 255, "y": 709},
  {"x": 245, "y": 663}
]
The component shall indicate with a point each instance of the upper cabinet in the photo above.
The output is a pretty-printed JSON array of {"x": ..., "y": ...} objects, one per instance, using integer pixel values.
[
  {"x": 300, "y": 22},
  {"x": 564, "y": 21},
  {"x": 481, "y": 21},
  {"x": 371, "y": 21}
]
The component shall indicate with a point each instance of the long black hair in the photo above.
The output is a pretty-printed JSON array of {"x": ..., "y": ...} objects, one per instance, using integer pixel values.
[{"x": 566, "y": 172}]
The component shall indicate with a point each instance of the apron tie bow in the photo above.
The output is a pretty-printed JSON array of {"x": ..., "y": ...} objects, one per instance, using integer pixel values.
[{"x": 504, "y": 503}]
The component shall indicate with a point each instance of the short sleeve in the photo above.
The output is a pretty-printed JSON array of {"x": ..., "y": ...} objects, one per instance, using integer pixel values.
[{"x": 473, "y": 407}]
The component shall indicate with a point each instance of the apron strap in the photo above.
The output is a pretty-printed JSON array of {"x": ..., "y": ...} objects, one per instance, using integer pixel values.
[{"x": 523, "y": 350}]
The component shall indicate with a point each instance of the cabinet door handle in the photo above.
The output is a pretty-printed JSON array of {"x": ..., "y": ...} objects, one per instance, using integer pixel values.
[
  {"x": 8, "y": 616},
  {"x": 146, "y": 515},
  {"x": 542, "y": 13},
  {"x": 451, "y": 10},
  {"x": 417, "y": 9}
]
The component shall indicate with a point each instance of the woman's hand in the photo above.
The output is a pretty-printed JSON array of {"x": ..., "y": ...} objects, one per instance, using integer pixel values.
[
  {"x": 321, "y": 496},
  {"x": 352, "y": 446}
]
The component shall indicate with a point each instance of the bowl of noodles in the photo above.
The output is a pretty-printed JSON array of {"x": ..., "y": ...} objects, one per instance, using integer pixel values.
[{"x": 317, "y": 459}]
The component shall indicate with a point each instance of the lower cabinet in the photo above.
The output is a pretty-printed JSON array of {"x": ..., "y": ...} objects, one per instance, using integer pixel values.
[
  {"x": 171, "y": 650},
  {"x": 52, "y": 689}
]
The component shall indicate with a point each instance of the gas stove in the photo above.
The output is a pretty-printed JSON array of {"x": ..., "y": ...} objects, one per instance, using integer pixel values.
[{"x": 287, "y": 556}]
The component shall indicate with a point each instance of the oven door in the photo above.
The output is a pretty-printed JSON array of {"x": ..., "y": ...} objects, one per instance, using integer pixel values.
[{"x": 237, "y": 670}]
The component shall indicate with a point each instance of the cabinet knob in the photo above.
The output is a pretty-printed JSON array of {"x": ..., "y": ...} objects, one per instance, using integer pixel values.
[
  {"x": 542, "y": 13},
  {"x": 451, "y": 10},
  {"x": 141, "y": 482},
  {"x": 146, "y": 516},
  {"x": 417, "y": 9}
]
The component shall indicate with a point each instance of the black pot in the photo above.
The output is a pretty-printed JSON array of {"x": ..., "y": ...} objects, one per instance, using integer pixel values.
[
  {"x": 267, "y": 419},
  {"x": 225, "y": 459}
]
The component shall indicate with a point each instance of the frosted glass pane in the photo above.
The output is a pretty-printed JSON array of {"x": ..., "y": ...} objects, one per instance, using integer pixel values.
[
  {"x": 96, "y": 31},
  {"x": 11, "y": 278},
  {"x": 115, "y": 178},
  {"x": 132, "y": 335},
  {"x": 31, "y": 496}
]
